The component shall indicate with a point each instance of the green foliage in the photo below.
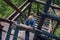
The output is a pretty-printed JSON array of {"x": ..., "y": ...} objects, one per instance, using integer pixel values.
[
  {"x": 57, "y": 32},
  {"x": 37, "y": 7},
  {"x": 56, "y": 2},
  {"x": 6, "y": 10},
  {"x": 17, "y": 2}
]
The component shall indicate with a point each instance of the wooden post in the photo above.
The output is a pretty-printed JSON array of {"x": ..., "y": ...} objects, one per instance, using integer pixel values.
[{"x": 29, "y": 9}]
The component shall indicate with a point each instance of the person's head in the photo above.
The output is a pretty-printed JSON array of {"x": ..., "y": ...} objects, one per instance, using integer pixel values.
[{"x": 30, "y": 17}]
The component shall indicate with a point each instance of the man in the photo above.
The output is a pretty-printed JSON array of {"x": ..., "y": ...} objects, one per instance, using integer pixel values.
[{"x": 30, "y": 22}]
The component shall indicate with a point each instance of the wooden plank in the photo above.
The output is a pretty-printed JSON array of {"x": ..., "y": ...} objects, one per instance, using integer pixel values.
[
  {"x": 25, "y": 6},
  {"x": 23, "y": 9},
  {"x": 16, "y": 16}
]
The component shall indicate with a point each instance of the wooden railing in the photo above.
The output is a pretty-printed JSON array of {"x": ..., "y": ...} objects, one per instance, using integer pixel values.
[{"x": 22, "y": 8}]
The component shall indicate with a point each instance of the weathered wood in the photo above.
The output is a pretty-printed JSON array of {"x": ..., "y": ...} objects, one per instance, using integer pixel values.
[
  {"x": 14, "y": 13},
  {"x": 5, "y": 20},
  {"x": 16, "y": 16},
  {"x": 30, "y": 29},
  {"x": 26, "y": 6},
  {"x": 18, "y": 10},
  {"x": 22, "y": 10}
]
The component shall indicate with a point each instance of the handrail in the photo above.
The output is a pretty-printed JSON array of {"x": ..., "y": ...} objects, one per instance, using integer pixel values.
[{"x": 30, "y": 29}]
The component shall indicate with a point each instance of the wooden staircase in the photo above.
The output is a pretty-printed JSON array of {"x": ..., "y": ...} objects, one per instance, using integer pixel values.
[
  {"x": 20, "y": 34},
  {"x": 47, "y": 26}
]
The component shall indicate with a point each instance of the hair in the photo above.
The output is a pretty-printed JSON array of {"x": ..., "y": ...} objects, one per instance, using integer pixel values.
[{"x": 31, "y": 13}]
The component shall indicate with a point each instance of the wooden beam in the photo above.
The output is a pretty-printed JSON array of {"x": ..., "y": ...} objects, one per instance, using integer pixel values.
[
  {"x": 18, "y": 10},
  {"x": 14, "y": 13},
  {"x": 5, "y": 20},
  {"x": 26, "y": 6},
  {"x": 16, "y": 16},
  {"x": 23, "y": 9}
]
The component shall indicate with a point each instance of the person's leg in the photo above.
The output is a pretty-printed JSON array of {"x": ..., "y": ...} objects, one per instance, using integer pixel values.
[{"x": 27, "y": 35}]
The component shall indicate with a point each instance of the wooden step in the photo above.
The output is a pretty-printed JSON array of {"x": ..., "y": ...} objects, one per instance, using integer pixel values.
[{"x": 45, "y": 28}]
